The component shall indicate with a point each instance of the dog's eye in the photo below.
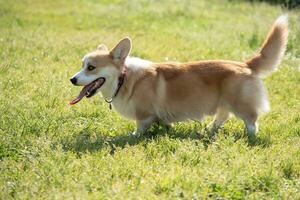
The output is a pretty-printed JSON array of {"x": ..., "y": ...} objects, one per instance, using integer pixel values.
[{"x": 90, "y": 67}]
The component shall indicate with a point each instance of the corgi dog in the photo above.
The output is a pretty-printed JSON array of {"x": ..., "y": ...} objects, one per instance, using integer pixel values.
[{"x": 150, "y": 92}]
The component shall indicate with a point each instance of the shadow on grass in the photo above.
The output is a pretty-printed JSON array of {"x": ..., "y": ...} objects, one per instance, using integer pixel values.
[
  {"x": 84, "y": 142},
  {"x": 262, "y": 141}
]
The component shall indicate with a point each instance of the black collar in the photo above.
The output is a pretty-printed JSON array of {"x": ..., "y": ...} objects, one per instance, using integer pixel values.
[{"x": 120, "y": 83}]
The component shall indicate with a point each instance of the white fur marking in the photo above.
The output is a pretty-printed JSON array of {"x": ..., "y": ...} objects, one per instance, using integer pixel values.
[
  {"x": 135, "y": 63},
  {"x": 282, "y": 20}
]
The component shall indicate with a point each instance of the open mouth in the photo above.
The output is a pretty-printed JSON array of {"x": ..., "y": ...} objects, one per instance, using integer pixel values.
[{"x": 89, "y": 90}]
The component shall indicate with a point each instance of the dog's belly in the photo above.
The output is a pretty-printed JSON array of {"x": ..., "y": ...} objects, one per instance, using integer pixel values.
[
  {"x": 185, "y": 111},
  {"x": 167, "y": 114},
  {"x": 172, "y": 112}
]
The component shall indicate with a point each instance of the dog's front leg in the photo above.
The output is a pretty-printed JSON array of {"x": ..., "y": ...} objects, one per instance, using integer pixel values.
[
  {"x": 221, "y": 116},
  {"x": 143, "y": 125}
]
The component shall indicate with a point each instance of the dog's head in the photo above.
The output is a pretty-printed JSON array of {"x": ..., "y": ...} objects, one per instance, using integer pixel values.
[{"x": 101, "y": 68}]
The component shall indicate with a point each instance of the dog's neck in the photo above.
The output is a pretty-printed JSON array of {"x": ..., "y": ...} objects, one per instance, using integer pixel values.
[
  {"x": 110, "y": 87},
  {"x": 133, "y": 66}
]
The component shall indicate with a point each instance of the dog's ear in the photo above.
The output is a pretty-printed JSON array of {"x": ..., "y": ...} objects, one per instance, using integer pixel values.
[
  {"x": 121, "y": 50},
  {"x": 102, "y": 47}
]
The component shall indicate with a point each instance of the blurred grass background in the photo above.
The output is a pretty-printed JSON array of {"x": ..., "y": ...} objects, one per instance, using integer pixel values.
[{"x": 49, "y": 150}]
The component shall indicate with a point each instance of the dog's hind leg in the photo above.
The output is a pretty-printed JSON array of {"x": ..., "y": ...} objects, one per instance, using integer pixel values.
[
  {"x": 251, "y": 126},
  {"x": 221, "y": 116},
  {"x": 249, "y": 115},
  {"x": 252, "y": 102}
]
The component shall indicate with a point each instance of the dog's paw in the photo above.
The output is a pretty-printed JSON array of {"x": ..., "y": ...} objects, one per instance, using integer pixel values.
[{"x": 136, "y": 133}]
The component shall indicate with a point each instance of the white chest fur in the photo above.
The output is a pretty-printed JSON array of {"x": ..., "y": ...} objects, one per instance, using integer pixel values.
[{"x": 127, "y": 108}]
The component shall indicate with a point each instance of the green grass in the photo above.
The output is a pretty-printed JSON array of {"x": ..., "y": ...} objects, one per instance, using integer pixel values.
[{"x": 49, "y": 150}]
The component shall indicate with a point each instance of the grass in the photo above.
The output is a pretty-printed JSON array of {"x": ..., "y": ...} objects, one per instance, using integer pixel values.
[{"x": 49, "y": 150}]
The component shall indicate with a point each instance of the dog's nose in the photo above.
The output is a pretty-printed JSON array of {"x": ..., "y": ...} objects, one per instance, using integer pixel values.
[{"x": 73, "y": 80}]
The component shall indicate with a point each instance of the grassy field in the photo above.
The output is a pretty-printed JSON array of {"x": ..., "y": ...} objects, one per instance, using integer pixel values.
[{"x": 49, "y": 150}]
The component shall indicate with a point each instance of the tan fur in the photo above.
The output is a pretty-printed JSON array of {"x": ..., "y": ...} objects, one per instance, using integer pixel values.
[
  {"x": 192, "y": 90},
  {"x": 171, "y": 92},
  {"x": 272, "y": 49}
]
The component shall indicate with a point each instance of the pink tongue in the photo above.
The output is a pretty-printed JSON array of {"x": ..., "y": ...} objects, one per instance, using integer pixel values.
[
  {"x": 74, "y": 101},
  {"x": 81, "y": 94},
  {"x": 98, "y": 83}
]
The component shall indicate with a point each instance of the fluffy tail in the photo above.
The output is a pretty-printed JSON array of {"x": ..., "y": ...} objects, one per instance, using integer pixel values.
[{"x": 272, "y": 50}]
